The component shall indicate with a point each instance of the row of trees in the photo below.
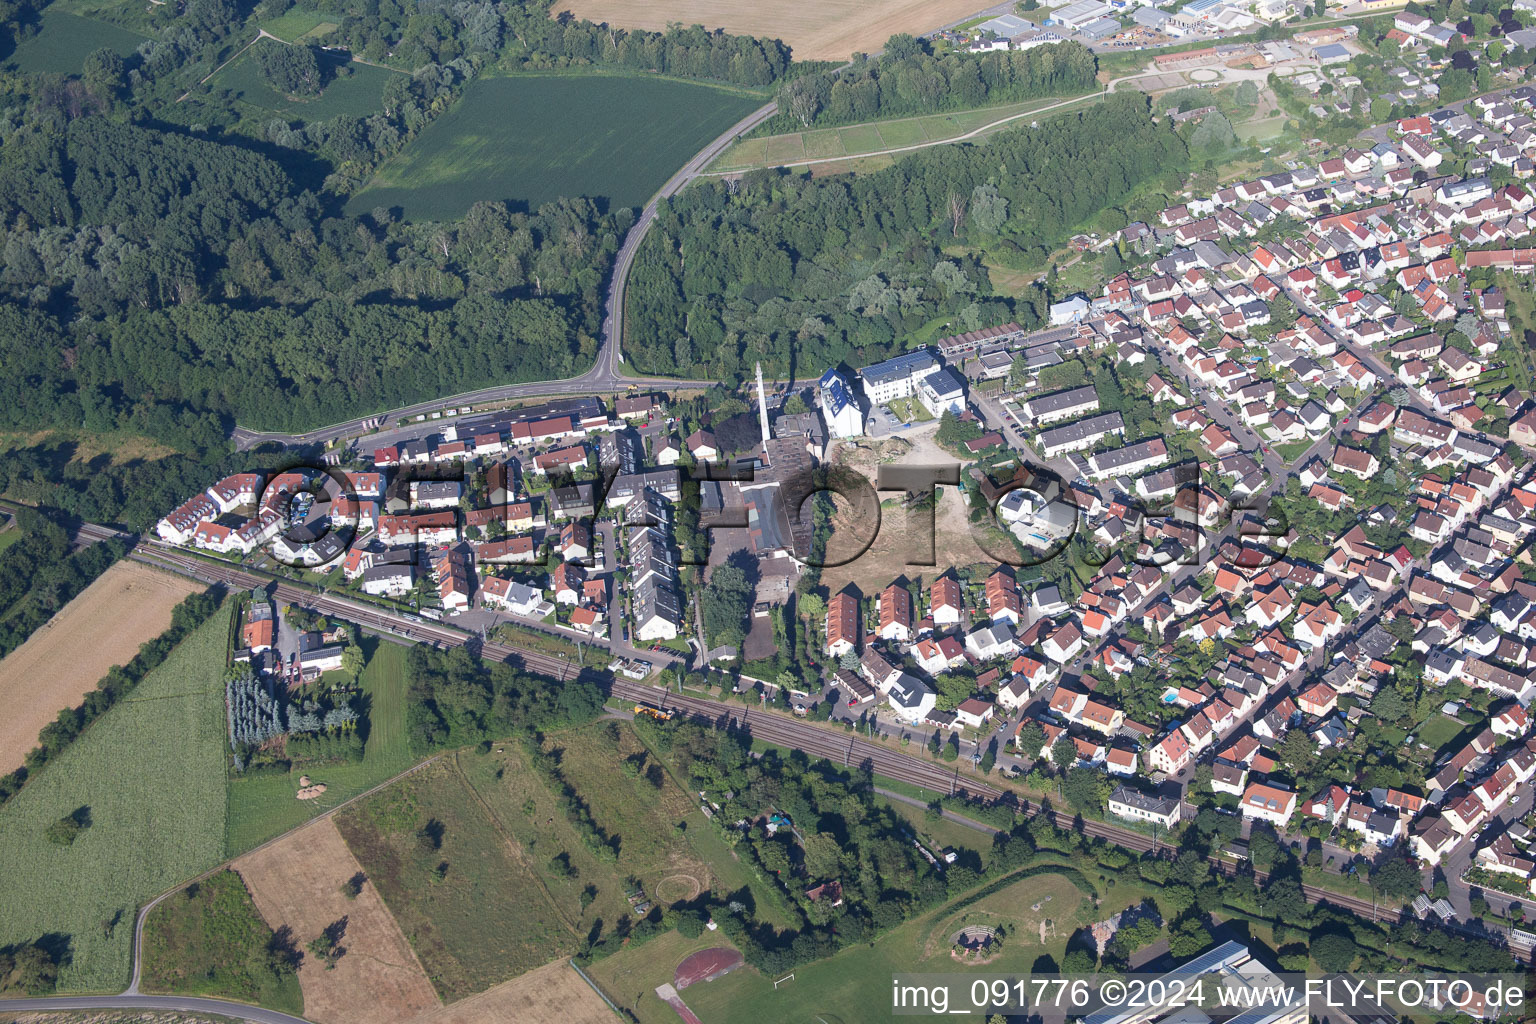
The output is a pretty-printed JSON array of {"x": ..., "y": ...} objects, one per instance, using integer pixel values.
[
  {"x": 692, "y": 52},
  {"x": 908, "y": 79},
  {"x": 805, "y": 273}
]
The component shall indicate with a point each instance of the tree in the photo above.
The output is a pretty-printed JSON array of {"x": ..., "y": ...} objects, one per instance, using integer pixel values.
[
  {"x": 727, "y": 600},
  {"x": 953, "y": 689},
  {"x": 1085, "y": 789},
  {"x": 293, "y": 70},
  {"x": 1063, "y": 753},
  {"x": 989, "y": 210},
  {"x": 1396, "y": 879},
  {"x": 68, "y": 828},
  {"x": 352, "y": 658},
  {"x": 1334, "y": 953},
  {"x": 1189, "y": 937},
  {"x": 103, "y": 73},
  {"x": 1030, "y": 739}
]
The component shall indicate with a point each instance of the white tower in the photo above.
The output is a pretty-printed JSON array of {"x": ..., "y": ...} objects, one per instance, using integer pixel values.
[{"x": 762, "y": 404}]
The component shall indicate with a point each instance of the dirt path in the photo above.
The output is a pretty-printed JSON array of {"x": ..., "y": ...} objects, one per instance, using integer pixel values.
[{"x": 63, "y": 661}]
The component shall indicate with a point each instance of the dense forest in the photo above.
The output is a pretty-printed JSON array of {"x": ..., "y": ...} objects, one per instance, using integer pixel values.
[
  {"x": 804, "y": 273},
  {"x": 168, "y": 284},
  {"x": 908, "y": 79}
]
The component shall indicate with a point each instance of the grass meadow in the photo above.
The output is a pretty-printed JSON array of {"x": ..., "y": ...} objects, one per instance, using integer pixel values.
[
  {"x": 357, "y": 89},
  {"x": 461, "y": 887},
  {"x": 65, "y": 40},
  {"x": 151, "y": 774},
  {"x": 264, "y": 806},
  {"x": 616, "y": 137},
  {"x": 210, "y": 940}
]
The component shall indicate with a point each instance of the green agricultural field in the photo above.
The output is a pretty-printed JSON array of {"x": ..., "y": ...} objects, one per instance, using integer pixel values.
[
  {"x": 356, "y": 89},
  {"x": 847, "y": 985},
  {"x": 151, "y": 774},
  {"x": 66, "y": 40},
  {"x": 533, "y": 138},
  {"x": 210, "y": 940},
  {"x": 264, "y": 806},
  {"x": 298, "y": 23},
  {"x": 462, "y": 887}
]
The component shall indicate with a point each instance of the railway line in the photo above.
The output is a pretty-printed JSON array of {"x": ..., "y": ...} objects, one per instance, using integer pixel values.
[{"x": 847, "y": 749}]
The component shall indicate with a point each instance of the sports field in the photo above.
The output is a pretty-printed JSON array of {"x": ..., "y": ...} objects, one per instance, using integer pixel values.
[
  {"x": 355, "y": 89},
  {"x": 66, "y": 40},
  {"x": 264, "y": 806},
  {"x": 65, "y": 659},
  {"x": 814, "y": 29},
  {"x": 150, "y": 774},
  {"x": 533, "y": 138}
]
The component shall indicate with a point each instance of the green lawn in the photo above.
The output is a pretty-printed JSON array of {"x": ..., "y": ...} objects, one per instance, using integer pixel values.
[
  {"x": 903, "y": 133},
  {"x": 298, "y": 23},
  {"x": 66, "y": 40},
  {"x": 210, "y": 940},
  {"x": 870, "y": 137},
  {"x": 264, "y": 806},
  {"x": 942, "y": 833},
  {"x": 469, "y": 901},
  {"x": 356, "y": 89},
  {"x": 1438, "y": 731},
  {"x": 151, "y": 772},
  {"x": 533, "y": 138}
]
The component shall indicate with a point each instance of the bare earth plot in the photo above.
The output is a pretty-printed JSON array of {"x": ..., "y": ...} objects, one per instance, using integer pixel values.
[
  {"x": 552, "y": 994},
  {"x": 60, "y": 663},
  {"x": 819, "y": 30},
  {"x": 895, "y": 538},
  {"x": 297, "y": 883}
]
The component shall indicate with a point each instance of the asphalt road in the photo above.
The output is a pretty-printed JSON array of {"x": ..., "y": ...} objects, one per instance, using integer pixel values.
[{"x": 176, "y": 1004}]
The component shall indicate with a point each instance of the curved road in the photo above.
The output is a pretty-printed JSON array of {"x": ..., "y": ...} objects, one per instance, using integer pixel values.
[{"x": 605, "y": 374}]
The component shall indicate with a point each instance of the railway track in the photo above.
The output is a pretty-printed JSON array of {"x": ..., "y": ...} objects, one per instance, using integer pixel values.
[{"x": 848, "y": 749}]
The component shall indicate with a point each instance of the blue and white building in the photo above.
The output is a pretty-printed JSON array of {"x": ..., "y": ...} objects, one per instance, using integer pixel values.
[
  {"x": 839, "y": 406},
  {"x": 897, "y": 378}
]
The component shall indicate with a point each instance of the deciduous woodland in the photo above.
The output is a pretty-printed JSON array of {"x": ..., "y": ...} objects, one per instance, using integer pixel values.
[{"x": 804, "y": 273}]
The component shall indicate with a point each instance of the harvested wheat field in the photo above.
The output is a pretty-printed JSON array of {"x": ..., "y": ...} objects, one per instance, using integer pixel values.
[
  {"x": 828, "y": 30},
  {"x": 297, "y": 883},
  {"x": 62, "y": 662},
  {"x": 552, "y": 994}
]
